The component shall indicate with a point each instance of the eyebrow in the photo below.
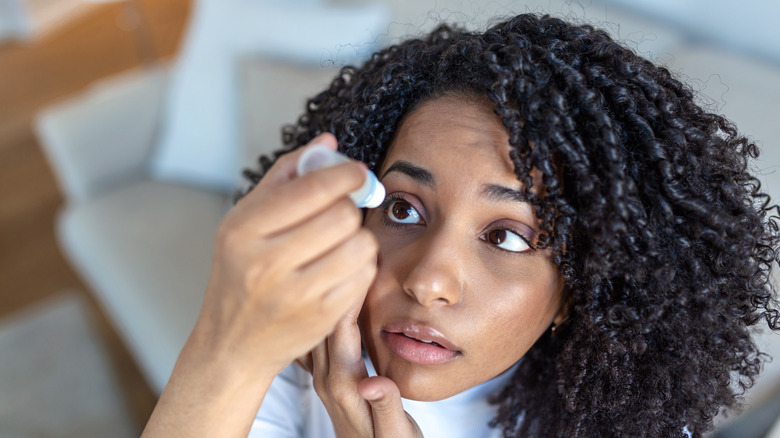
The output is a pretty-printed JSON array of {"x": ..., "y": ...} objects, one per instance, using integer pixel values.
[
  {"x": 494, "y": 192},
  {"x": 498, "y": 193},
  {"x": 413, "y": 171}
]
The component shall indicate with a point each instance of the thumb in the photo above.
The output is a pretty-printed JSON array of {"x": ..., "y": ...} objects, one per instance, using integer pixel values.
[
  {"x": 285, "y": 167},
  {"x": 390, "y": 419}
]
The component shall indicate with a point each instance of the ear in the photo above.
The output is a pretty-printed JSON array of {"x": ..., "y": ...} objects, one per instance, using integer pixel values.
[{"x": 561, "y": 317}]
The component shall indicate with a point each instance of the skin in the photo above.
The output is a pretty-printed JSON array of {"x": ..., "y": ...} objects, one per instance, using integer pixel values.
[
  {"x": 307, "y": 280},
  {"x": 283, "y": 275},
  {"x": 445, "y": 271},
  {"x": 492, "y": 298}
]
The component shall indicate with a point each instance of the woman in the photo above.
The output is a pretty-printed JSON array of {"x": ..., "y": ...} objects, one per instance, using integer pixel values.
[{"x": 570, "y": 247}]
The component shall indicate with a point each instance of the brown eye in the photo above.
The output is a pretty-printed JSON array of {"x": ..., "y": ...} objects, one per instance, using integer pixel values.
[
  {"x": 402, "y": 212},
  {"x": 507, "y": 240},
  {"x": 497, "y": 237}
]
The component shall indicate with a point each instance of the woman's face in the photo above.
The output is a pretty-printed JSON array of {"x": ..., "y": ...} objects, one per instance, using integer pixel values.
[{"x": 460, "y": 294}]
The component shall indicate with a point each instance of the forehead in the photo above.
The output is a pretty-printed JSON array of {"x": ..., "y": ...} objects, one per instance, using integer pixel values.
[{"x": 464, "y": 134}]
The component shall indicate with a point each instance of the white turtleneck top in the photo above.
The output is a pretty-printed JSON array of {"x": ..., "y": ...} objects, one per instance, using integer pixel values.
[{"x": 291, "y": 409}]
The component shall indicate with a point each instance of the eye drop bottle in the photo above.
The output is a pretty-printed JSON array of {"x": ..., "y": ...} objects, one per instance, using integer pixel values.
[{"x": 369, "y": 195}]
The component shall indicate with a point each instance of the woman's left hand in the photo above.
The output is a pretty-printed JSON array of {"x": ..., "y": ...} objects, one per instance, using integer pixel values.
[{"x": 358, "y": 405}]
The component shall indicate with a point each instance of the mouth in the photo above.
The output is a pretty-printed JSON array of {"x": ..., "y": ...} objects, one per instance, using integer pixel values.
[
  {"x": 419, "y": 344},
  {"x": 421, "y": 340}
]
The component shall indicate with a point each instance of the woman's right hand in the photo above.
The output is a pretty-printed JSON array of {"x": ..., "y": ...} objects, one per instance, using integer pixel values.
[{"x": 289, "y": 261}]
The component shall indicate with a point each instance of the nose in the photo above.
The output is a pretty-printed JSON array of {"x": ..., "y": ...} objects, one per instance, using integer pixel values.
[{"x": 434, "y": 277}]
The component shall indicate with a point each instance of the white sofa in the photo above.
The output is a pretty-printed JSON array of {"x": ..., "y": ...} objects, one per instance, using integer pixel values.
[
  {"x": 142, "y": 244},
  {"x": 138, "y": 224},
  {"x": 143, "y": 241}
]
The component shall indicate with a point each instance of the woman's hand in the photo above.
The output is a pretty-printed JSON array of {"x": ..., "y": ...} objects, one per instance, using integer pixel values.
[
  {"x": 358, "y": 405},
  {"x": 289, "y": 261}
]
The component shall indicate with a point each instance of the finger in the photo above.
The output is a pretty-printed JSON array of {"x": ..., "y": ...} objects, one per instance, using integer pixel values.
[
  {"x": 344, "y": 347},
  {"x": 390, "y": 419},
  {"x": 316, "y": 237},
  {"x": 300, "y": 199},
  {"x": 285, "y": 167},
  {"x": 270, "y": 205},
  {"x": 320, "y": 365},
  {"x": 351, "y": 292},
  {"x": 305, "y": 362},
  {"x": 335, "y": 304},
  {"x": 354, "y": 312},
  {"x": 354, "y": 256}
]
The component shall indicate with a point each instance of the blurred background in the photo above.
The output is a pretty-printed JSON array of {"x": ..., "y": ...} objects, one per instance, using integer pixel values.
[{"x": 124, "y": 126}]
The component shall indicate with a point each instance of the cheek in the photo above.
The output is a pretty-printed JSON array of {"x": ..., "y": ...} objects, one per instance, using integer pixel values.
[
  {"x": 384, "y": 288},
  {"x": 514, "y": 314},
  {"x": 393, "y": 258}
]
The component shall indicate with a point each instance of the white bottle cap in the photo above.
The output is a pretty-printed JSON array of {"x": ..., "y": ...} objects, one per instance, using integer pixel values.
[{"x": 369, "y": 195}]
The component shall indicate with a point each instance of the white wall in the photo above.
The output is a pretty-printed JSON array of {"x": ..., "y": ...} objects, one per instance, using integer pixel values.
[{"x": 748, "y": 26}]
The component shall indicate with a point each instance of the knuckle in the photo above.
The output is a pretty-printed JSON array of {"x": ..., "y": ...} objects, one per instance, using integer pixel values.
[
  {"x": 313, "y": 334},
  {"x": 383, "y": 404},
  {"x": 356, "y": 175},
  {"x": 341, "y": 396},
  {"x": 328, "y": 310},
  {"x": 386, "y": 404},
  {"x": 285, "y": 158},
  {"x": 316, "y": 186},
  {"x": 347, "y": 215},
  {"x": 366, "y": 244},
  {"x": 370, "y": 271},
  {"x": 307, "y": 297},
  {"x": 227, "y": 234},
  {"x": 255, "y": 274},
  {"x": 370, "y": 240}
]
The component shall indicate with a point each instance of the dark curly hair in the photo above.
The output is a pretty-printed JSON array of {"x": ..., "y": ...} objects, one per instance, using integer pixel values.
[{"x": 664, "y": 239}]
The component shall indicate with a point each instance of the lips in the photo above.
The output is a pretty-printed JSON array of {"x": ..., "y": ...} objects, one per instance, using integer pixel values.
[{"x": 419, "y": 343}]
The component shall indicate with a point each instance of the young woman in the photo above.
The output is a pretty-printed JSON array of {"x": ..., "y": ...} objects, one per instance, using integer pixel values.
[{"x": 569, "y": 247}]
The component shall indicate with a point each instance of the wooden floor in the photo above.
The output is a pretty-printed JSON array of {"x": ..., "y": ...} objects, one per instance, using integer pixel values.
[{"x": 98, "y": 43}]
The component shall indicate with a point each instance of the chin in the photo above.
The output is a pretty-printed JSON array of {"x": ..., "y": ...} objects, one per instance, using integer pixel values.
[
  {"x": 426, "y": 394},
  {"x": 421, "y": 383}
]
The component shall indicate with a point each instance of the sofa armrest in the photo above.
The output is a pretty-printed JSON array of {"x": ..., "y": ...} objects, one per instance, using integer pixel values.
[{"x": 104, "y": 135}]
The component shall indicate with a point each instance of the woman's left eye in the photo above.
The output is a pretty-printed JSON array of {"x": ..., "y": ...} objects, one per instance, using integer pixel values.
[
  {"x": 401, "y": 212},
  {"x": 507, "y": 240}
]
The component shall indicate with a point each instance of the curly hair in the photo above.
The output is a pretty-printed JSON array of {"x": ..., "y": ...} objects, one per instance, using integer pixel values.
[{"x": 664, "y": 239}]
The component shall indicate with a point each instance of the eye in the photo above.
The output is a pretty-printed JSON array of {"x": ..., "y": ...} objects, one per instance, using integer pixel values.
[
  {"x": 402, "y": 212},
  {"x": 507, "y": 240}
]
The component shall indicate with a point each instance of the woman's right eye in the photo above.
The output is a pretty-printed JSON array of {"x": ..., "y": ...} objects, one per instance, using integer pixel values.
[{"x": 402, "y": 212}]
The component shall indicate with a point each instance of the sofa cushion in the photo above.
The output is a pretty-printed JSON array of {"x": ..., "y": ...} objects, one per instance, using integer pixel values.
[
  {"x": 200, "y": 141},
  {"x": 275, "y": 94},
  {"x": 79, "y": 133},
  {"x": 145, "y": 250}
]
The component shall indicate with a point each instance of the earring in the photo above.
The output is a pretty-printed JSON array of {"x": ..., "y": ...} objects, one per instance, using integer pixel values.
[{"x": 552, "y": 328}]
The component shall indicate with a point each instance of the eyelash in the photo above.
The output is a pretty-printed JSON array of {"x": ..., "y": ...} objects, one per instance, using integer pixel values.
[{"x": 393, "y": 197}]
